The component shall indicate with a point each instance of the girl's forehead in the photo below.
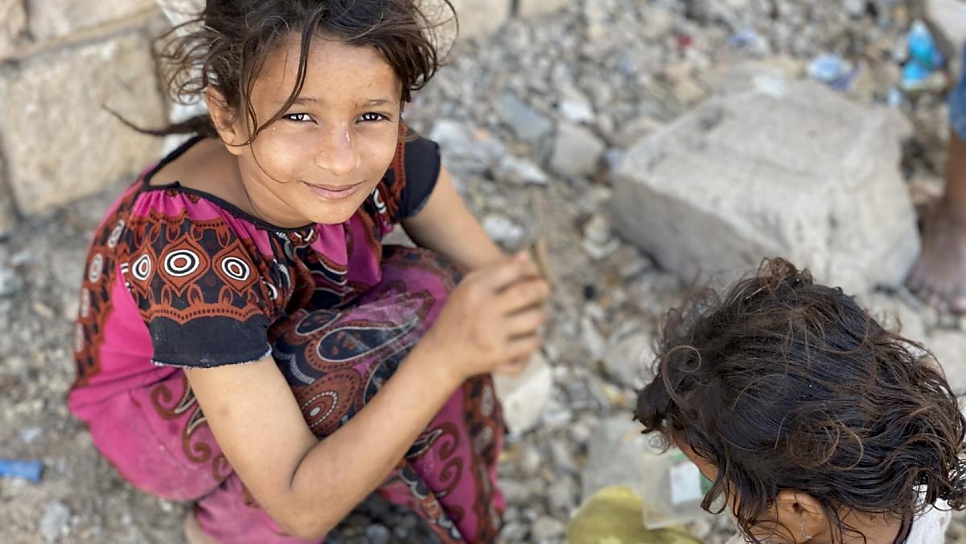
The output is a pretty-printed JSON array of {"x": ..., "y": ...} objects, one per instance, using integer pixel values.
[{"x": 332, "y": 68}]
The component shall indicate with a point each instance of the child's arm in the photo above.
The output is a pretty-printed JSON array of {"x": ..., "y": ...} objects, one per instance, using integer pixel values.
[
  {"x": 308, "y": 485},
  {"x": 446, "y": 226}
]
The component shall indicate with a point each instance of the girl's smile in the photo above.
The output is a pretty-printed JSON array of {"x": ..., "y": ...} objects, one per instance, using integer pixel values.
[{"x": 335, "y": 192}]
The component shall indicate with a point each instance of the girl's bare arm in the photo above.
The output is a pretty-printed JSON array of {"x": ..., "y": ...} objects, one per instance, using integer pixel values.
[
  {"x": 446, "y": 226},
  {"x": 308, "y": 485}
]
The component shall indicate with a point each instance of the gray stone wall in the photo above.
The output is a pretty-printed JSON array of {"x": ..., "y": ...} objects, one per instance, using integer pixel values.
[{"x": 65, "y": 63}]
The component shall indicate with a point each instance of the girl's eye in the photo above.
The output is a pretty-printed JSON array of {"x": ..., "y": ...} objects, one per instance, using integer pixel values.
[
  {"x": 298, "y": 117},
  {"x": 372, "y": 117}
]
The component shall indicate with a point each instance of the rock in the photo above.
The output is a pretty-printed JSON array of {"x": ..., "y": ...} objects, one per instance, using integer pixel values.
[
  {"x": 54, "y": 18},
  {"x": 615, "y": 457},
  {"x": 627, "y": 362},
  {"x": 613, "y": 515},
  {"x": 575, "y": 107},
  {"x": 463, "y": 151},
  {"x": 807, "y": 175},
  {"x": 546, "y": 530},
  {"x": 60, "y": 113},
  {"x": 502, "y": 229},
  {"x": 523, "y": 397},
  {"x": 658, "y": 22},
  {"x": 562, "y": 495},
  {"x": 8, "y": 212},
  {"x": 948, "y": 18},
  {"x": 528, "y": 125},
  {"x": 10, "y": 282},
  {"x": 378, "y": 534},
  {"x": 521, "y": 171},
  {"x": 181, "y": 11},
  {"x": 55, "y": 521},
  {"x": 949, "y": 347},
  {"x": 637, "y": 129},
  {"x": 598, "y": 239},
  {"x": 576, "y": 152},
  {"x": 480, "y": 18},
  {"x": 13, "y": 25},
  {"x": 533, "y": 8},
  {"x": 515, "y": 491}
]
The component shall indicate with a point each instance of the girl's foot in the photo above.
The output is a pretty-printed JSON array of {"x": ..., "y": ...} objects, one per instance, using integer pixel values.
[
  {"x": 193, "y": 532},
  {"x": 939, "y": 276}
]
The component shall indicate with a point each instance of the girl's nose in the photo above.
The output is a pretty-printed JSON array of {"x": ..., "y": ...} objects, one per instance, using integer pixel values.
[{"x": 337, "y": 152}]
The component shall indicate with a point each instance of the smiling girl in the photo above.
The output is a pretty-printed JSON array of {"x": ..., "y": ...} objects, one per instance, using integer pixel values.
[{"x": 245, "y": 341}]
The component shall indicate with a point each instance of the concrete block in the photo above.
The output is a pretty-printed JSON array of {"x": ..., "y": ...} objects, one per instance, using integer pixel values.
[
  {"x": 523, "y": 397},
  {"x": 799, "y": 172},
  {"x": 51, "y": 19},
  {"x": 60, "y": 143},
  {"x": 13, "y": 25},
  {"x": 534, "y": 8}
]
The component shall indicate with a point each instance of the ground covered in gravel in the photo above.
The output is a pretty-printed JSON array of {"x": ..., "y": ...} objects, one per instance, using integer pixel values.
[{"x": 531, "y": 122}]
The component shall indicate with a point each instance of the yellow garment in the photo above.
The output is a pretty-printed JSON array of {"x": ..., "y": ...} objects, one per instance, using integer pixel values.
[{"x": 613, "y": 516}]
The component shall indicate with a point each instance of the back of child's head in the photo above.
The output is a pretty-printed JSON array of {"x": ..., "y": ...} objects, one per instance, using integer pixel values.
[
  {"x": 226, "y": 47},
  {"x": 784, "y": 384}
]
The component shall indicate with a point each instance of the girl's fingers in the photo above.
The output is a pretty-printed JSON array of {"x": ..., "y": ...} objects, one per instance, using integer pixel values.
[
  {"x": 522, "y": 347},
  {"x": 523, "y": 295},
  {"x": 513, "y": 368},
  {"x": 500, "y": 276},
  {"x": 526, "y": 322}
]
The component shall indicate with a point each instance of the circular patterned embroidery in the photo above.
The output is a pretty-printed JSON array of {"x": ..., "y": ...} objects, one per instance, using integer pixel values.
[
  {"x": 116, "y": 234},
  {"x": 272, "y": 291},
  {"x": 236, "y": 269},
  {"x": 330, "y": 398},
  {"x": 95, "y": 268},
  {"x": 85, "y": 303},
  {"x": 78, "y": 338},
  {"x": 487, "y": 401},
  {"x": 142, "y": 268},
  {"x": 181, "y": 262},
  {"x": 377, "y": 199}
]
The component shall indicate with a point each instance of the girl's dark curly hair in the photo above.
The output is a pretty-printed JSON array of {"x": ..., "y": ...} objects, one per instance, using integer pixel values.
[
  {"x": 789, "y": 385},
  {"x": 226, "y": 47}
]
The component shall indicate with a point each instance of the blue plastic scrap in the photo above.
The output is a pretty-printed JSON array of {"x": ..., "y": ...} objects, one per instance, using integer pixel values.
[{"x": 28, "y": 470}]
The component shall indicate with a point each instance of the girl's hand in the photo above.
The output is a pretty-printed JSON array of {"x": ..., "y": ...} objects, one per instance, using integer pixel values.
[{"x": 491, "y": 319}]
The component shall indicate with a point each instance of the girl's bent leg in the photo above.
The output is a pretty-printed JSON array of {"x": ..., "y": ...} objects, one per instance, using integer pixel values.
[{"x": 337, "y": 360}]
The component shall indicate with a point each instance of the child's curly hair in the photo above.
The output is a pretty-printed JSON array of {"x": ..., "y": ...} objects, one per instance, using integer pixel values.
[
  {"x": 227, "y": 45},
  {"x": 789, "y": 385}
]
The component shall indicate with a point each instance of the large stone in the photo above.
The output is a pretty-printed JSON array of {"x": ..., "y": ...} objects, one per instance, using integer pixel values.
[
  {"x": 524, "y": 396},
  {"x": 577, "y": 151},
  {"x": 477, "y": 18},
  {"x": 60, "y": 143},
  {"x": 948, "y": 18},
  {"x": 798, "y": 172},
  {"x": 8, "y": 212},
  {"x": 56, "y": 18},
  {"x": 181, "y": 11},
  {"x": 13, "y": 25},
  {"x": 533, "y": 8}
]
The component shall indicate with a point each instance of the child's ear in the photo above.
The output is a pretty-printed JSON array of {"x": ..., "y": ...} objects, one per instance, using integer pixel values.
[
  {"x": 801, "y": 514},
  {"x": 226, "y": 120}
]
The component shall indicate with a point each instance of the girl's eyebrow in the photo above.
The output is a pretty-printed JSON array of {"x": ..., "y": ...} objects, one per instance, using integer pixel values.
[{"x": 301, "y": 100}]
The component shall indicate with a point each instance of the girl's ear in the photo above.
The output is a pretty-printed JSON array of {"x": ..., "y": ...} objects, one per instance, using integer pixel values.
[
  {"x": 802, "y": 516},
  {"x": 231, "y": 131}
]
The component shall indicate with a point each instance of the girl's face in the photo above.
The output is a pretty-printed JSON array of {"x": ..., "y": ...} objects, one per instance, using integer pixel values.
[
  {"x": 329, "y": 150},
  {"x": 783, "y": 523}
]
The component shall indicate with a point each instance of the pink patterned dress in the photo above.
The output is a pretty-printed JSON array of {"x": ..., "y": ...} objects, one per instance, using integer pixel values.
[{"x": 177, "y": 278}]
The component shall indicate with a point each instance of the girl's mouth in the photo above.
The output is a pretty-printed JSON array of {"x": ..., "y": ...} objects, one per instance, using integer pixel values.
[{"x": 330, "y": 192}]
